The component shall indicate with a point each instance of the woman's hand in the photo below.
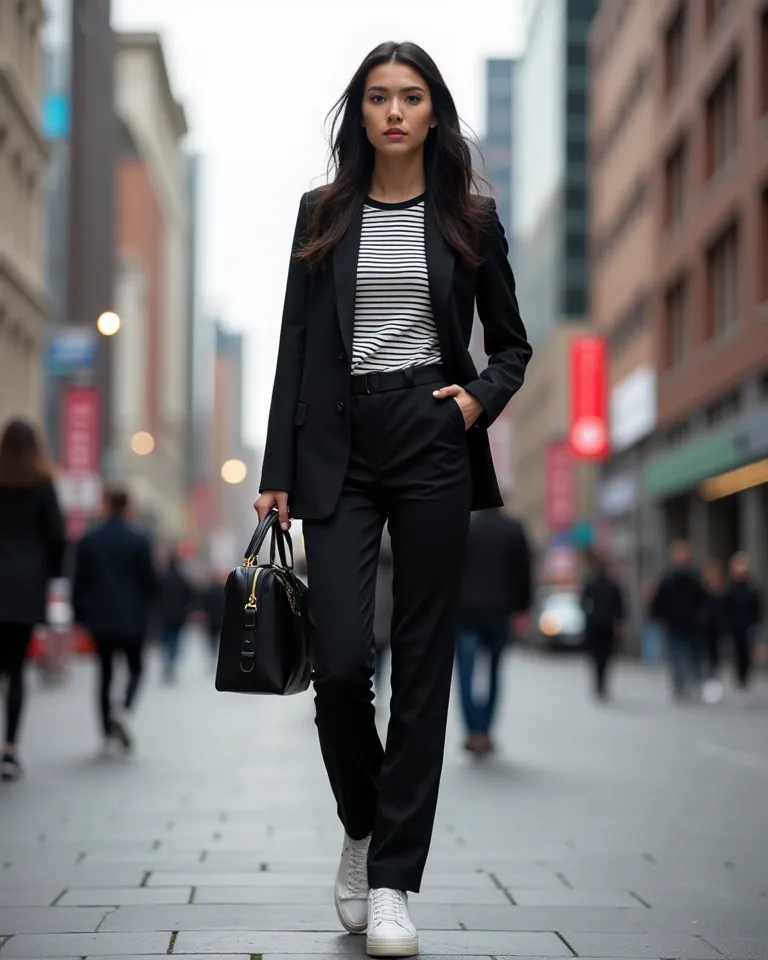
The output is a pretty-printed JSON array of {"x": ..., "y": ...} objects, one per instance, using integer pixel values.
[
  {"x": 470, "y": 406},
  {"x": 270, "y": 499}
]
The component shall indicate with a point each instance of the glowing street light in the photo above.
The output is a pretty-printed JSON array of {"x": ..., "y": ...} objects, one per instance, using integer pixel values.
[
  {"x": 234, "y": 471},
  {"x": 108, "y": 324},
  {"x": 142, "y": 443}
]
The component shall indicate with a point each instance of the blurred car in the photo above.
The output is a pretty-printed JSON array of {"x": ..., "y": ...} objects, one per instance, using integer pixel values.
[{"x": 559, "y": 621}]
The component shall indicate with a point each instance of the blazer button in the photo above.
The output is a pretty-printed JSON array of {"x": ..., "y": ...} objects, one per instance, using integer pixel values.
[
  {"x": 342, "y": 356},
  {"x": 340, "y": 407}
]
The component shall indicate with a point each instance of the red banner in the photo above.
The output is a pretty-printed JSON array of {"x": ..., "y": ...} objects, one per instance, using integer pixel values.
[
  {"x": 588, "y": 431},
  {"x": 560, "y": 507},
  {"x": 80, "y": 433}
]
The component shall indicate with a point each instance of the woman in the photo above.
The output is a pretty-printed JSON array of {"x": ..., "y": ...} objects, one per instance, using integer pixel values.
[
  {"x": 32, "y": 544},
  {"x": 378, "y": 414}
]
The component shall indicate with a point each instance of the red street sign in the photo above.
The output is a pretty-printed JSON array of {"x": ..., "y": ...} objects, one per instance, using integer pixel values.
[
  {"x": 559, "y": 486},
  {"x": 81, "y": 430},
  {"x": 588, "y": 431}
]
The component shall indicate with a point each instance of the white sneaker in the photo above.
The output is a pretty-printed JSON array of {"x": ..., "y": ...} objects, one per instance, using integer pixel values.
[
  {"x": 351, "y": 892},
  {"x": 390, "y": 930}
]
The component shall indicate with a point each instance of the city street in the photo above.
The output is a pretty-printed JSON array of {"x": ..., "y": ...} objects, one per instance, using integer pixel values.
[{"x": 632, "y": 830}]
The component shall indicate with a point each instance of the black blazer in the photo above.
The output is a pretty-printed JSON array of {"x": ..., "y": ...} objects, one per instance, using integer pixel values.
[
  {"x": 308, "y": 437},
  {"x": 115, "y": 580},
  {"x": 32, "y": 547}
]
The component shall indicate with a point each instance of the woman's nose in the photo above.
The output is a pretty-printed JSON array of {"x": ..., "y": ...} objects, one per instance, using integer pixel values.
[{"x": 395, "y": 113}]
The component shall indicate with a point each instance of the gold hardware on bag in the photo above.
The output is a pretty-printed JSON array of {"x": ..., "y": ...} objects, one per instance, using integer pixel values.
[{"x": 251, "y": 605}]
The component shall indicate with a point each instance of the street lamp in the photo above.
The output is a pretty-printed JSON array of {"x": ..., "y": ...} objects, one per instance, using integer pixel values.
[
  {"x": 108, "y": 323},
  {"x": 234, "y": 471},
  {"x": 142, "y": 443}
]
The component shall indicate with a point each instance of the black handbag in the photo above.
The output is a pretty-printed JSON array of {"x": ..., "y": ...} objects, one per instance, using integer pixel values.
[{"x": 264, "y": 644}]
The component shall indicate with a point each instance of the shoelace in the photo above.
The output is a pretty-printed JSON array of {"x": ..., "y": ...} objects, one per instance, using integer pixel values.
[
  {"x": 358, "y": 869},
  {"x": 387, "y": 906}
]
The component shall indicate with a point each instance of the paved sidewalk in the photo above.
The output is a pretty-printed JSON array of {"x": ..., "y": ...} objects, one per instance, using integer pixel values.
[{"x": 637, "y": 830}]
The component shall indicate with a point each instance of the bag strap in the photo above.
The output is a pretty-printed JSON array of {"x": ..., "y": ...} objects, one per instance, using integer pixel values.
[
  {"x": 251, "y": 557},
  {"x": 281, "y": 537}
]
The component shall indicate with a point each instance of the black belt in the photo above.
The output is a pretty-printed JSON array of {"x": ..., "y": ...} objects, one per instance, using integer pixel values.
[{"x": 397, "y": 379}]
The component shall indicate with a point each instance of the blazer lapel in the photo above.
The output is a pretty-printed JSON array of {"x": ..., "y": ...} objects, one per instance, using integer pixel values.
[
  {"x": 440, "y": 261},
  {"x": 345, "y": 278}
]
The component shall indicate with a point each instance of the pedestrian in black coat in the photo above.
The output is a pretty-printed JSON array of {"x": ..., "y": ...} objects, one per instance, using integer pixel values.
[
  {"x": 603, "y": 603},
  {"x": 176, "y": 600},
  {"x": 115, "y": 584},
  {"x": 32, "y": 545},
  {"x": 741, "y": 612},
  {"x": 496, "y": 586}
]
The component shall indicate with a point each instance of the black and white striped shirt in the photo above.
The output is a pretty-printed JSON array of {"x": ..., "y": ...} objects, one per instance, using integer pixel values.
[{"x": 394, "y": 325}]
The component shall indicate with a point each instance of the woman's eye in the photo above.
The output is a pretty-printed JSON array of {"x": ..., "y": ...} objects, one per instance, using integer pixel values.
[
  {"x": 377, "y": 98},
  {"x": 414, "y": 98}
]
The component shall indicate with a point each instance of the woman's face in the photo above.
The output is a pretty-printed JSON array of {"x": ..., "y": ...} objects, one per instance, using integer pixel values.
[{"x": 397, "y": 109}]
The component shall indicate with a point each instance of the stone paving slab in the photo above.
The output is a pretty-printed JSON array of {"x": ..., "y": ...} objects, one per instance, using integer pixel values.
[
  {"x": 459, "y": 943},
  {"x": 124, "y": 896},
  {"x": 562, "y": 897},
  {"x": 14, "y": 920},
  {"x": 29, "y": 896},
  {"x": 491, "y": 896},
  {"x": 25, "y": 875},
  {"x": 741, "y": 948},
  {"x": 44, "y": 945},
  {"x": 679, "y": 946}
]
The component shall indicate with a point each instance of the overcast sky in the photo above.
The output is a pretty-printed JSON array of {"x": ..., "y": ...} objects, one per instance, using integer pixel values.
[{"x": 257, "y": 79}]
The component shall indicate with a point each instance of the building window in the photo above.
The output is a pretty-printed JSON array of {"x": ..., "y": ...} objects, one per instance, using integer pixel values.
[
  {"x": 714, "y": 10},
  {"x": 676, "y": 49},
  {"x": 723, "y": 281},
  {"x": 723, "y": 409},
  {"x": 723, "y": 120},
  {"x": 676, "y": 185},
  {"x": 677, "y": 324},
  {"x": 764, "y": 62}
]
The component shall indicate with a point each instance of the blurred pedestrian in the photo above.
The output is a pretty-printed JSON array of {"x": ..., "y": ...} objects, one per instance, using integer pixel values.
[
  {"x": 712, "y": 627},
  {"x": 496, "y": 587},
  {"x": 602, "y": 600},
  {"x": 32, "y": 547},
  {"x": 212, "y": 609},
  {"x": 115, "y": 584},
  {"x": 379, "y": 414},
  {"x": 382, "y": 611},
  {"x": 175, "y": 604},
  {"x": 679, "y": 604},
  {"x": 742, "y": 612}
]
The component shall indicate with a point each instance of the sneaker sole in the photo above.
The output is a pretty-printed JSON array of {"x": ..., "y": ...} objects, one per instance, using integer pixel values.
[
  {"x": 356, "y": 928},
  {"x": 387, "y": 947}
]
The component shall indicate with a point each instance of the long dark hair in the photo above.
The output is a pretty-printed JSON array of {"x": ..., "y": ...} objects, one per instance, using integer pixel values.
[
  {"x": 23, "y": 460},
  {"x": 447, "y": 164}
]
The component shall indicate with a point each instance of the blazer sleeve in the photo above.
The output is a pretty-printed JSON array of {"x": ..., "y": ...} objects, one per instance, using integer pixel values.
[
  {"x": 506, "y": 342},
  {"x": 279, "y": 451}
]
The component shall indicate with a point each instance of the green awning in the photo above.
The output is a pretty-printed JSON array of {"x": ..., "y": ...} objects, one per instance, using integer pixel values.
[{"x": 685, "y": 467}]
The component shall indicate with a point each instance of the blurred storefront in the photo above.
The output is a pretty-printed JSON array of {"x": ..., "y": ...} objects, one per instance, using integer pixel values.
[
  {"x": 24, "y": 306},
  {"x": 710, "y": 298}
]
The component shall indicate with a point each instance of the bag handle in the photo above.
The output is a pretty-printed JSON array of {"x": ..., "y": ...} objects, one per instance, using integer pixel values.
[
  {"x": 260, "y": 534},
  {"x": 268, "y": 524}
]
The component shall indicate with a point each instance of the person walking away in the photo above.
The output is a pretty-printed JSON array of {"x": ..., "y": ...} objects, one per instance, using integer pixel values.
[
  {"x": 712, "y": 627},
  {"x": 496, "y": 587},
  {"x": 115, "y": 584},
  {"x": 175, "y": 604},
  {"x": 212, "y": 609},
  {"x": 602, "y": 600},
  {"x": 679, "y": 604},
  {"x": 378, "y": 415},
  {"x": 382, "y": 611},
  {"x": 32, "y": 548},
  {"x": 742, "y": 612}
]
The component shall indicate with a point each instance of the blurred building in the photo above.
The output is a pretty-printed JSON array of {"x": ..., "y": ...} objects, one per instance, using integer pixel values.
[
  {"x": 622, "y": 124},
  {"x": 709, "y": 474},
  {"x": 151, "y": 351},
  {"x": 497, "y": 146},
  {"x": 234, "y": 490},
  {"x": 550, "y": 181},
  {"x": 23, "y": 157}
]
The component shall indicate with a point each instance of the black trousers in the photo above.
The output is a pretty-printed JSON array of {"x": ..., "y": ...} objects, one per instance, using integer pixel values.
[
  {"x": 409, "y": 465},
  {"x": 132, "y": 648},
  {"x": 742, "y": 656},
  {"x": 601, "y": 644},
  {"x": 14, "y": 640}
]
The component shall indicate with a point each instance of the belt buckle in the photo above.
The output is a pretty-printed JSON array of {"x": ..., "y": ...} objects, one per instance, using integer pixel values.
[{"x": 372, "y": 382}]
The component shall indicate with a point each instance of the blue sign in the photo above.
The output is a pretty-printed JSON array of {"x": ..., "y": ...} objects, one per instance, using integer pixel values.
[
  {"x": 55, "y": 116},
  {"x": 70, "y": 352}
]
